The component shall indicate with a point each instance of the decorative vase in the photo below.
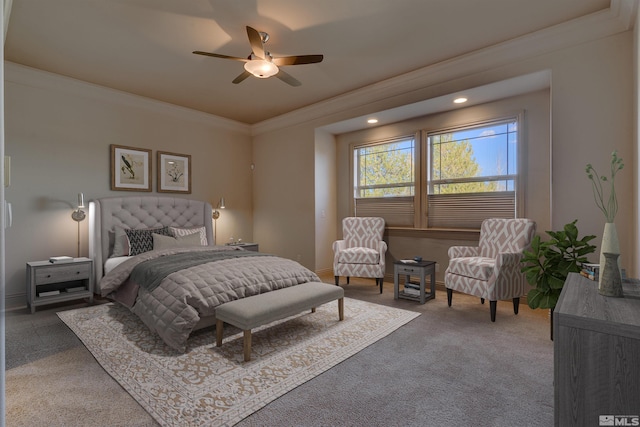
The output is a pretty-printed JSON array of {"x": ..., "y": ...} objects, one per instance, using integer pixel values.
[
  {"x": 611, "y": 281},
  {"x": 609, "y": 244}
]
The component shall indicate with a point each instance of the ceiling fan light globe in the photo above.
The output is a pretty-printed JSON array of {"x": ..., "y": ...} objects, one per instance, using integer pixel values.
[{"x": 261, "y": 68}]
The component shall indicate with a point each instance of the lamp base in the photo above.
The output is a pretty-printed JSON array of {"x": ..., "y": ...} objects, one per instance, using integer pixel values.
[{"x": 78, "y": 215}]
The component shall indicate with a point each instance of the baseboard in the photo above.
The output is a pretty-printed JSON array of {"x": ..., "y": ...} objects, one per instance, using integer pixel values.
[
  {"x": 325, "y": 272},
  {"x": 15, "y": 301}
]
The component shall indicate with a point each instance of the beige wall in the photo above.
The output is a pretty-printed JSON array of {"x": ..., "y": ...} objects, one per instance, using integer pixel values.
[
  {"x": 286, "y": 219},
  {"x": 58, "y": 133},
  {"x": 535, "y": 152},
  {"x": 591, "y": 115}
]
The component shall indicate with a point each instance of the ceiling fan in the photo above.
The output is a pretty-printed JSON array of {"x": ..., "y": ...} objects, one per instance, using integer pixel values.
[{"x": 261, "y": 64}]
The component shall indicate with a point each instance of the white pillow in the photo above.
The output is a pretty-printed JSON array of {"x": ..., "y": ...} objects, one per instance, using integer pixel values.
[
  {"x": 166, "y": 242},
  {"x": 181, "y": 232}
]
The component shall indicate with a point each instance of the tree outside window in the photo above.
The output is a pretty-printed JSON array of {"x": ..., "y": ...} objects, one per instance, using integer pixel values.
[
  {"x": 474, "y": 160},
  {"x": 385, "y": 170}
]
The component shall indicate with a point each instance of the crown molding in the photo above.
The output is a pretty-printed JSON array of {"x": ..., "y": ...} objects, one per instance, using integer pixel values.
[
  {"x": 33, "y": 77},
  {"x": 625, "y": 11},
  {"x": 620, "y": 17}
]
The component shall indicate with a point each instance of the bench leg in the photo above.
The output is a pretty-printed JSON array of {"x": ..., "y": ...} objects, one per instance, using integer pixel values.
[
  {"x": 313, "y": 309},
  {"x": 219, "y": 326},
  {"x": 341, "y": 308},
  {"x": 247, "y": 345}
]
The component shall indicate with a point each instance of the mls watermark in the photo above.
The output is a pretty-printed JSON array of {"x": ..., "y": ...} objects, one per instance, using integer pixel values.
[{"x": 619, "y": 420}]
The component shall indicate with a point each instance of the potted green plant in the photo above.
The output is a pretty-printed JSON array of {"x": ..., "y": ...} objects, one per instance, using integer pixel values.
[{"x": 547, "y": 264}]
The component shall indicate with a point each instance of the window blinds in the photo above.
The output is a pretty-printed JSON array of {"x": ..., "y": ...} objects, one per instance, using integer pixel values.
[
  {"x": 469, "y": 210},
  {"x": 396, "y": 211}
]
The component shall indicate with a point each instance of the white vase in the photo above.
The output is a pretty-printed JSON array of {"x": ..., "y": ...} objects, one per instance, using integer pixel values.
[{"x": 609, "y": 244}]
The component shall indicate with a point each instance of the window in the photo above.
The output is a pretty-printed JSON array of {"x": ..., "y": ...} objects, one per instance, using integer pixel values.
[
  {"x": 384, "y": 180},
  {"x": 385, "y": 169},
  {"x": 452, "y": 179},
  {"x": 473, "y": 173}
]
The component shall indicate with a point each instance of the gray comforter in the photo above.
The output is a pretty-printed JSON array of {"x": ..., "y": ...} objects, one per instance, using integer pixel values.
[{"x": 174, "y": 307}]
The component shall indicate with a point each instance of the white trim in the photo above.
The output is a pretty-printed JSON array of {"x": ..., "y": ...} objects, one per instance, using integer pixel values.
[
  {"x": 5, "y": 19},
  {"x": 413, "y": 85},
  {"x": 32, "y": 77},
  {"x": 3, "y": 222}
]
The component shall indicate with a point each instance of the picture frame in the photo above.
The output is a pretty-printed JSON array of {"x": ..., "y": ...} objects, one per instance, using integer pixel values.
[
  {"x": 130, "y": 168},
  {"x": 174, "y": 172}
]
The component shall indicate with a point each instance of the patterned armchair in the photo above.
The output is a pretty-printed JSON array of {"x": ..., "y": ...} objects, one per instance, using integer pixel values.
[
  {"x": 362, "y": 250},
  {"x": 492, "y": 269}
]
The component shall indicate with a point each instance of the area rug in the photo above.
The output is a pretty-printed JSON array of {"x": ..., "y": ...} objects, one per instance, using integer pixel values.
[{"x": 212, "y": 386}]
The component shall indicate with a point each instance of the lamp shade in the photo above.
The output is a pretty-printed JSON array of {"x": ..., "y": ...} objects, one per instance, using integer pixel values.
[
  {"x": 216, "y": 213},
  {"x": 261, "y": 68},
  {"x": 81, "y": 201}
]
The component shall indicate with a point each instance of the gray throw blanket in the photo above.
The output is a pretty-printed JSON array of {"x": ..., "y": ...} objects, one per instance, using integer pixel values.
[{"x": 148, "y": 274}]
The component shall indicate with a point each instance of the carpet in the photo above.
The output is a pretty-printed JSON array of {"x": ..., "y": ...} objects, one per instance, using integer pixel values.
[{"x": 210, "y": 385}]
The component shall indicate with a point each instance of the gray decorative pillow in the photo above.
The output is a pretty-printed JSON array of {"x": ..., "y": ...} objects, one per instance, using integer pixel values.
[
  {"x": 141, "y": 240},
  {"x": 166, "y": 242},
  {"x": 180, "y": 232},
  {"x": 120, "y": 243}
]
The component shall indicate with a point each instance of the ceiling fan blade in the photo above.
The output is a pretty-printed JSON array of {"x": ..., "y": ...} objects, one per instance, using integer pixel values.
[
  {"x": 287, "y": 78},
  {"x": 241, "y": 77},
  {"x": 256, "y": 42},
  {"x": 297, "y": 60},
  {"x": 217, "y": 55}
]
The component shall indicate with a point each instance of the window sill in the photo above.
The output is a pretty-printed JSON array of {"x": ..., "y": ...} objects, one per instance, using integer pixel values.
[{"x": 434, "y": 233}]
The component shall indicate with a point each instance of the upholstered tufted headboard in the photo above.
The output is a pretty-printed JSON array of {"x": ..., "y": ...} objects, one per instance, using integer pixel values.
[{"x": 140, "y": 212}]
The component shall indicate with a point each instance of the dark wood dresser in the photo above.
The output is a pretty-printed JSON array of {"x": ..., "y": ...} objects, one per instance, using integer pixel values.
[{"x": 596, "y": 354}]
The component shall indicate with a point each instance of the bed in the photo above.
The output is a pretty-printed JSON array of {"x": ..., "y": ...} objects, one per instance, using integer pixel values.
[{"x": 156, "y": 255}]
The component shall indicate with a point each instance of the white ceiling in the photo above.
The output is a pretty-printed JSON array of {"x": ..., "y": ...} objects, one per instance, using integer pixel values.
[{"x": 144, "y": 46}]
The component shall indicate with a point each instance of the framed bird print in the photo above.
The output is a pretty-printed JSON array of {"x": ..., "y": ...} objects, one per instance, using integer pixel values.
[{"x": 130, "y": 168}]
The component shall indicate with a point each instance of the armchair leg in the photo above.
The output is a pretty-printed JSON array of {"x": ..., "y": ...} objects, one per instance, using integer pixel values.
[
  {"x": 381, "y": 281},
  {"x": 337, "y": 280},
  {"x": 516, "y": 305},
  {"x": 481, "y": 300},
  {"x": 492, "y": 307},
  {"x": 347, "y": 280},
  {"x": 449, "y": 295}
]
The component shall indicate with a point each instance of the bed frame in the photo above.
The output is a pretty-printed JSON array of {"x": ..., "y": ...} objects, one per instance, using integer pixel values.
[{"x": 140, "y": 212}]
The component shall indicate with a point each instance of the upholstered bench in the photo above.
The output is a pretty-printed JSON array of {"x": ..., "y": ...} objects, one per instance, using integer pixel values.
[{"x": 251, "y": 312}]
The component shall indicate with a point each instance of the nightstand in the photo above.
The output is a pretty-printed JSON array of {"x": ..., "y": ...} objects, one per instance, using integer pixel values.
[
  {"x": 247, "y": 246},
  {"x": 48, "y": 283}
]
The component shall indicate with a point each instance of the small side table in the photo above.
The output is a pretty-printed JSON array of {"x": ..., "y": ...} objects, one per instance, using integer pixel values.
[
  {"x": 248, "y": 246},
  {"x": 420, "y": 269},
  {"x": 48, "y": 283}
]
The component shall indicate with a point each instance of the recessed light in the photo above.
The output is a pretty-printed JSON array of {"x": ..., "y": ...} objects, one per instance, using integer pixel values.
[
  {"x": 460, "y": 100},
  {"x": 372, "y": 121}
]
